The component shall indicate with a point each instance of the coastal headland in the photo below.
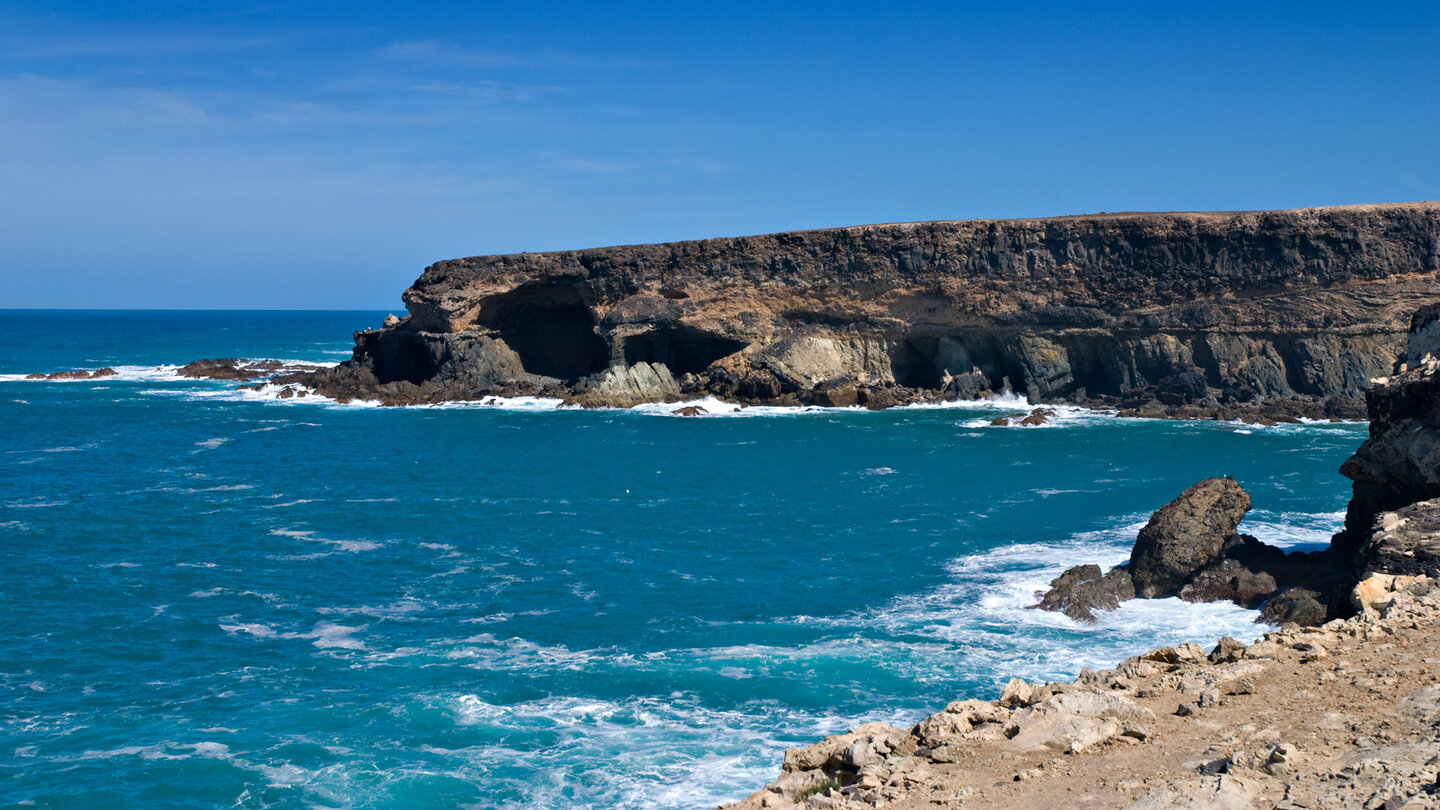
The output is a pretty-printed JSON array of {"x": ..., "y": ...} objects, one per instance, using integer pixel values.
[{"x": 1269, "y": 314}]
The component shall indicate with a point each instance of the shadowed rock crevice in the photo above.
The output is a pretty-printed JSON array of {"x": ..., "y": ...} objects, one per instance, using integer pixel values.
[
  {"x": 397, "y": 356},
  {"x": 683, "y": 350},
  {"x": 550, "y": 327}
]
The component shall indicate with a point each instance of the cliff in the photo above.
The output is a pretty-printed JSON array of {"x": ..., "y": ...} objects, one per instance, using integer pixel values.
[{"x": 1155, "y": 312}]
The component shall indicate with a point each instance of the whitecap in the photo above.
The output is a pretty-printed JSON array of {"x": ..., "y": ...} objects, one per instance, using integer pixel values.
[
  {"x": 1293, "y": 530},
  {"x": 257, "y": 630},
  {"x": 222, "y": 488},
  {"x": 122, "y": 374},
  {"x": 327, "y": 635}
]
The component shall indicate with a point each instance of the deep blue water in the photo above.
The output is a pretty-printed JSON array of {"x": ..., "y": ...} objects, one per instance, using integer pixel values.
[{"x": 220, "y": 598}]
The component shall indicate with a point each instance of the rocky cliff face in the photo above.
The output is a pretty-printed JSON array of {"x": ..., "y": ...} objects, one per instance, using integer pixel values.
[
  {"x": 1399, "y": 464},
  {"x": 1149, "y": 311}
]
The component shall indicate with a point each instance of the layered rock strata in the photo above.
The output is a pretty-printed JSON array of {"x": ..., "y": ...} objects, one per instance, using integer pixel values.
[{"x": 1284, "y": 312}]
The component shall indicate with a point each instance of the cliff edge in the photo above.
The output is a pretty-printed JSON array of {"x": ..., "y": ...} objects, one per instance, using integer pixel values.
[{"x": 1176, "y": 313}]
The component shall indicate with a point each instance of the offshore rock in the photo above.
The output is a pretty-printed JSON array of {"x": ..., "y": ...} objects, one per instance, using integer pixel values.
[
  {"x": 1236, "y": 315},
  {"x": 1082, "y": 590},
  {"x": 1186, "y": 535},
  {"x": 1190, "y": 548}
]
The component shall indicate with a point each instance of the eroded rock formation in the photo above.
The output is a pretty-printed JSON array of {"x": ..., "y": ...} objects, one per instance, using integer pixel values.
[
  {"x": 1186, "y": 314},
  {"x": 1400, "y": 463}
]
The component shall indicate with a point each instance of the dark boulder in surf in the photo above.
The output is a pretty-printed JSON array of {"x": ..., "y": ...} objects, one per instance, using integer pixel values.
[
  {"x": 1186, "y": 535},
  {"x": 1082, "y": 590}
]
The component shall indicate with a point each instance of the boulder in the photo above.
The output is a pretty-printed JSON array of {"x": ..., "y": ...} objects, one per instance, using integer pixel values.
[
  {"x": 1082, "y": 590},
  {"x": 1302, "y": 606},
  {"x": 838, "y": 393},
  {"x": 1186, "y": 535},
  {"x": 1405, "y": 542},
  {"x": 961, "y": 720},
  {"x": 1073, "y": 722},
  {"x": 971, "y": 385},
  {"x": 628, "y": 386},
  {"x": 1178, "y": 389},
  {"x": 1227, "y": 651},
  {"x": 1229, "y": 580}
]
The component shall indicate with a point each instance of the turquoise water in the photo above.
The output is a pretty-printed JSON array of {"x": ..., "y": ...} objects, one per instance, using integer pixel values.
[{"x": 220, "y": 598}]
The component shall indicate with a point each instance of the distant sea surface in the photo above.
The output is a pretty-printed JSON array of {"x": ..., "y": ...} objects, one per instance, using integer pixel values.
[{"x": 219, "y": 598}]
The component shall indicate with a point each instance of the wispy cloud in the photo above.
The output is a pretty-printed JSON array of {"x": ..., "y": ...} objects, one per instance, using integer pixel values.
[
  {"x": 1414, "y": 181},
  {"x": 658, "y": 165},
  {"x": 437, "y": 52},
  {"x": 31, "y": 99},
  {"x": 485, "y": 91},
  {"x": 32, "y": 41}
]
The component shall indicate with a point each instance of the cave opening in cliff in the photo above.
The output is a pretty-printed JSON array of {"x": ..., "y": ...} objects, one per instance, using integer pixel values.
[
  {"x": 912, "y": 361},
  {"x": 550, "y": 327},
  {"x": 402, "y": 356},
  {"x": 684, "y": 350}
]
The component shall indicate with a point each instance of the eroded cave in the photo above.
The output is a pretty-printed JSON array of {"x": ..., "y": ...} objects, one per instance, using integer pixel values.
[
  {"x": 550, "y": 327},
  {"x": 684, "y": 350},
  {"x": 401, "y": 356}
]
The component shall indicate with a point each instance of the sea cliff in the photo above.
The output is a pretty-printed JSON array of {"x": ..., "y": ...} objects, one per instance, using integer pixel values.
[{"x": 1182, "y": 314}]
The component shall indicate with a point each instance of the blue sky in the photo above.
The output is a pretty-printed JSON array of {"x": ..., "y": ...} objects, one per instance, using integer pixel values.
[{"x": 319, "y": 155}]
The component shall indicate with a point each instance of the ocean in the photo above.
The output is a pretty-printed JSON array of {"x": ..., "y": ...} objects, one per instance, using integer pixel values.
[{"x": 213, "y": 597}]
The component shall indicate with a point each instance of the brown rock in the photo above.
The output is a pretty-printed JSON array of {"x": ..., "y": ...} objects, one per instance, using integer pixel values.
[
  {"x": 1082, "y": 590},
  {"x": 1186, "y": 535}
]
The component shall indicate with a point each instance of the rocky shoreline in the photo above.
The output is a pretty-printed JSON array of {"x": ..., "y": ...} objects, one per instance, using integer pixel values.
[
  {"x": 1344, "y": 713},
  {"x": 1231, "y": 315}
]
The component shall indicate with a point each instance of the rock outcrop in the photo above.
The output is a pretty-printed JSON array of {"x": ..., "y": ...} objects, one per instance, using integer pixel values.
[
  {"x": 1186, "y": 535},
  {"x": 1400, "y": 463},
  {"x": 1281, "y": 313},
  {"x": 1191, "y": 548}
]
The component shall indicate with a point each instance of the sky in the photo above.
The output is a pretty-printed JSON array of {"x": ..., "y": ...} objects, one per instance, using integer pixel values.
[{"x": 319, "y": 155}]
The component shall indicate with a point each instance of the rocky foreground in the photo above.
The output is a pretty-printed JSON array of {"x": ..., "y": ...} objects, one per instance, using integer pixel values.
[
  {"x": 1345, "y": 714},
  {"x": 1270, "y": 314}
]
